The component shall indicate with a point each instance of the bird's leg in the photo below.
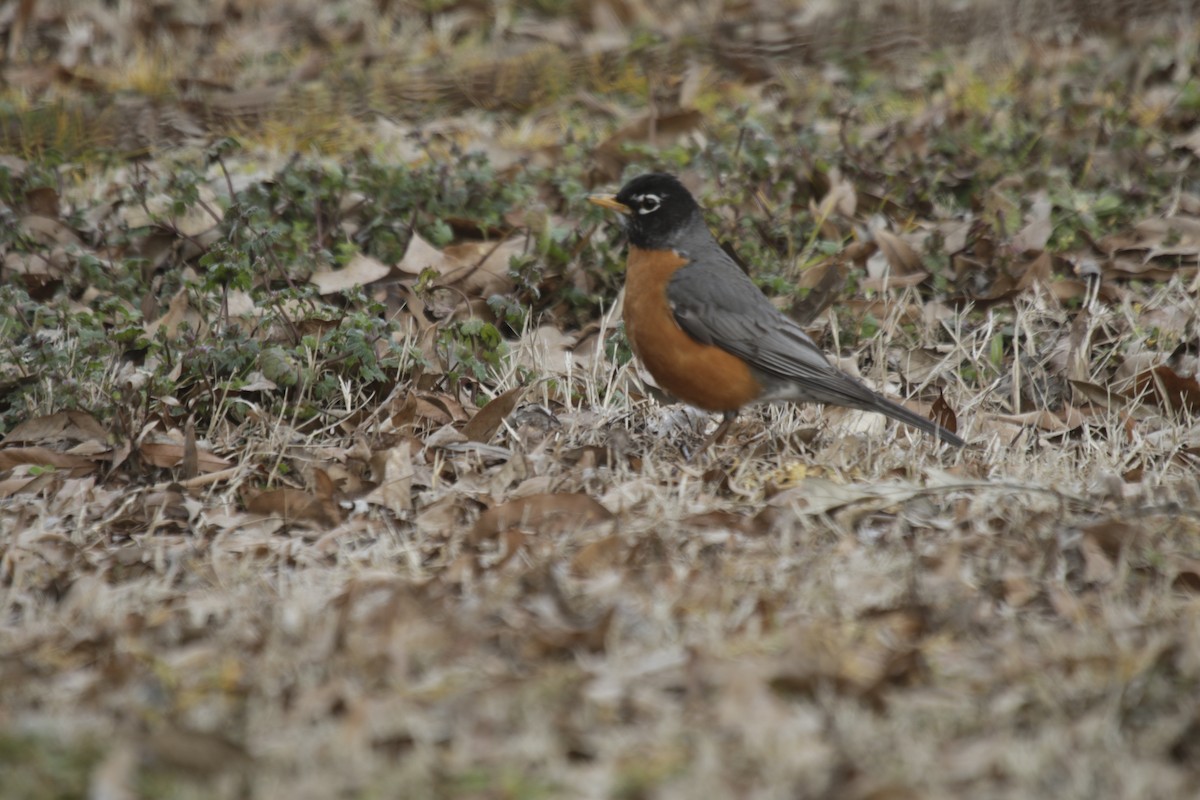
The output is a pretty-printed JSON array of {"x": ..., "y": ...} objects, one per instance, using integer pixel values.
[
  {"x": 719, "y": 434},
  {"x": 727, "y": 419}
]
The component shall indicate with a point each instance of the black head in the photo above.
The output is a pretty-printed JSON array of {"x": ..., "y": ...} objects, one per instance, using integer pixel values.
[{"x": 656, "y": 207}]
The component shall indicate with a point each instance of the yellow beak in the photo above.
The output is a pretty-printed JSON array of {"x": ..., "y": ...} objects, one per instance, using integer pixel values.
[{"x": 609, "y": 201}]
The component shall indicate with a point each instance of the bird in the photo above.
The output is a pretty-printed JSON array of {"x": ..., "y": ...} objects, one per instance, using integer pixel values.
[{"x": 706, "y": 332}]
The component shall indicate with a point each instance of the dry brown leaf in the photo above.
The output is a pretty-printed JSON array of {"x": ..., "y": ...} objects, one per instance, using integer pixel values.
[
  {"x": 442, "y": 517},
  {"x": 75, "y": 466},
  {"x": 609, "y": 157},
  {"x": 1169, "y": 390},
  {"x": 450, "y": 404},
  {"x": 362, "y": 270},
  {"x": 393, "y": 471},
  {"x": 43, "y": 201},
  {"x": 1118, "y": 268},
  {"x": 858, "y": 656},
  {"x": 196, "y": 221},
  {"x": 166, "y": 455},
  {"x": 178, "y": 311},
  {"x": 403, "y": 411},
  {"x": 41, "y": 273},
  {"x": 49, "y": 231},
  {"x": 717, "y": 520},
  {"x": 165, "y": 508},
  {"x": 479, "y": 268},
  {"x": 76, "y": 426},
  {"x": 813, "y": 496},
  {"x": 1037, "y": 271},
  {"x": 1038, "y": 228},
  {"x": 602, "y": 554},
  {"x": 1018, "y": 590},
  {"x": 1102, "y": 396},
  {"x": 1170, "y": 232},
  {"x": 1097, "y": 567},
  {"x": 540, "y": 513},
  {"x": 483, "y": 426},
  {"x": 295, "y": 505},
  {"x": 15, "y": 167},
  {"x": 1065, "y": 604},
  {"x": 190, "y": 463},
  {"x": 840, "y": 200},
  {"x": 200, "y": 753},
  {"x": 941, "y": 413},
  {"x": 1112, "y": 535},
  {"x": 1074, "y": 289},
  {"x": 428, "y": 410},
  {"x": 901, "y": 257},
  {"x": 548, "y": 349},
  {"x": 589, "y": 636},
  {"x": 29, "y": 484},
  {"x": 446, "y": 436},
  {"x": 880, "y": 279},
  {"x": 825, "y": 282},
  {"x": 421, "y": 255},
  {"x": 1187, "y": 573}
]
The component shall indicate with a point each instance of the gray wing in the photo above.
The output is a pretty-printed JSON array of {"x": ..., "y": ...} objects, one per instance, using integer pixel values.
[{"x": 716, "y": 303}]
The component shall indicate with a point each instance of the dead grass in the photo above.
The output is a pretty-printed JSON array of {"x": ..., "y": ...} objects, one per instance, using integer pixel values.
[{"x": 343, "y": 485}]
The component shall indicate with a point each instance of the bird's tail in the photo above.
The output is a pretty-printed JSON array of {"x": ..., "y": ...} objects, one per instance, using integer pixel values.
[{"x": 902, "y": 414}]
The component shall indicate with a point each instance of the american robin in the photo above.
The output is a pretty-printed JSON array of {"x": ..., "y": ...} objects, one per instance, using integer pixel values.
[{"x": 707, "y": 334}]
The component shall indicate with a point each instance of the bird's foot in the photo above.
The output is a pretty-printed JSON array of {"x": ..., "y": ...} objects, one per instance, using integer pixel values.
[{"x": 713, "y": 439}]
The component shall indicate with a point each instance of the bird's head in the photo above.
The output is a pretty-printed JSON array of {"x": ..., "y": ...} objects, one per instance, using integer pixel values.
[{"x": 655, "y": 207}]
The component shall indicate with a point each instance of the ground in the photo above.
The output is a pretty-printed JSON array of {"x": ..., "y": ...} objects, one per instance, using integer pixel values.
[{"x": 326, "y": 470}]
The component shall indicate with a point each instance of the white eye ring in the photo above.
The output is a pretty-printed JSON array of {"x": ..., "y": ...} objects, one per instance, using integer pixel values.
[{"x": 648, "y": 203}]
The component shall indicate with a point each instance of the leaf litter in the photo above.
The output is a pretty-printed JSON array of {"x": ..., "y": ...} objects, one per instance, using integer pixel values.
[{"x": 485, "y": 568}]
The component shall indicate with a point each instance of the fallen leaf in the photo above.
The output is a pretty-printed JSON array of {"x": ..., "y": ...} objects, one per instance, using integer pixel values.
[
  {"x": 479, "y": 268},
  {"x": 1187, "y": 574},
  {"x": 901, "y": 257},
  {"x": 295, "y": 505},
  {"x": 1097, "y": 567},
  {"x": 28, "y": 484},
  {"x": 49, "y": 231},
  {"x": 813, "y": 496},
  {"x": 1038, "y": 228},
  {"x": 841, "y": 200},
  {"x": 362, "y": 270},
  {"x": 1170, "y": 391},
  {"x": 540, "y": 513},
  {"x": 74, "y": 426},
  {"x": 76, "y": 466},
  {"x": 855, "y": 656},
  {"x": 393, "y": 470},
  {"x": 179, "y": 311},
  {"x": 483, "y": 426},
  {"x": 190, "y": 463},
  {"x": 43, "y": 201},
  {"x": 198, "y": 753},
  {"x": 941, "y": 413},
  {"x": 601, "y": 554},
  {"x": 609, "y": 157},
  {"x": 166, "y": 455}
]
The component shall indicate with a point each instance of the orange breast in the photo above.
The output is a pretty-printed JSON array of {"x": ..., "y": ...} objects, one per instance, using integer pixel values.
[{"x": 699, "y": 374}]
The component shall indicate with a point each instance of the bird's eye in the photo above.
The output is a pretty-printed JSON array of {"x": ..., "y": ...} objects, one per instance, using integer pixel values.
[{"x": 648, "y": 203}]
